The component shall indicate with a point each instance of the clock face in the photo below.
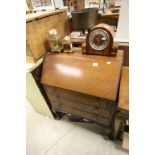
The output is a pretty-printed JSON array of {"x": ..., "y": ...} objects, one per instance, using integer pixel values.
[{"x": 99, "y": 39}]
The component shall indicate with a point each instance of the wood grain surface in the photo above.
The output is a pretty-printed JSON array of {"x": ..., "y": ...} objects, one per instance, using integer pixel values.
[
  {"x": 124, "y": 89},
  {"x": 41, "y": 14},
  {"x": 37, "y": 32},
  {"x": 76, "y": 112},
  {"x": 89, "y": 107},
  {"x": 111, "y": 19},
  {"x": 93, "y": 75},
  {"x": 110, "y": 15},
  {"x": 79, "y": 101}
]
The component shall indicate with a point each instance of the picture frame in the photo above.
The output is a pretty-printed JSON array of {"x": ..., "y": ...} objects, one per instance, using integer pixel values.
[
  {"x": 39, "y": 5},
  {"x": 92, "y": 3},
  {"x": 59, "y": 4}
]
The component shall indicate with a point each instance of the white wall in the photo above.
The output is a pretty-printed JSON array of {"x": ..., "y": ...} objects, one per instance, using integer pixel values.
[{"x": 122, "y": 34}]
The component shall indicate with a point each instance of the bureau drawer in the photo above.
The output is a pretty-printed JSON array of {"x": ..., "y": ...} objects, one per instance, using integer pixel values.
[
  {"x": 49, "y": 89},
  {"x": 85, "y": 99},
  {"x": 103, "y": 104},
  {"x": 83, "y": 107},
  {"x": 55, "y": 92},
  {"x": 78, "y": 97},
  {"x": 80, "y": 101},
  {"x": 74, "y": 111}
]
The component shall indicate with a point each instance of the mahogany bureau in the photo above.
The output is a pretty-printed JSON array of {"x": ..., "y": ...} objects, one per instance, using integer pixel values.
[{"x": 83, "y": 85}]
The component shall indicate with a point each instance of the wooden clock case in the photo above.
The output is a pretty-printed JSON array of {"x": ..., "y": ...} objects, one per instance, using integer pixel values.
[{"x": 112, "y": 47}]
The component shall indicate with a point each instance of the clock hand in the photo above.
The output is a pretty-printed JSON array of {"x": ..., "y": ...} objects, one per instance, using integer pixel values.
[
  {"x": 97, "y": 39},
  {"x": 103, "y": 39}
]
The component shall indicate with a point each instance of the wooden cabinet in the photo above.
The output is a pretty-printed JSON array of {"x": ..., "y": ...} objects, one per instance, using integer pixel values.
[
  {"x": 83, "y": 85},
  {"x": 37, "y": 27}
]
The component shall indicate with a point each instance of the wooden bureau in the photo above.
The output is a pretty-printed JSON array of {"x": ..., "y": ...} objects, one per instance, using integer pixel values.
[
  {"x": 86, "y": 106},
  {"x": 83, "y": 85}
]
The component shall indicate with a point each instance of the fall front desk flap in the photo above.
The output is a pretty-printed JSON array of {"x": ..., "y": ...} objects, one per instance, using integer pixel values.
[{"x": 93, "y": 75}]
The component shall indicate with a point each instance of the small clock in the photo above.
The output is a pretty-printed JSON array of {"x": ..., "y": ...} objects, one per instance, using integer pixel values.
[{"x": 99, "y": 40}]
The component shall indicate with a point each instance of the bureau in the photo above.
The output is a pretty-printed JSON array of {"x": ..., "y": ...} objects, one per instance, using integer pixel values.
[
  {"x": 86, "y": 106},
  {"x": 83, "y": 85}
]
